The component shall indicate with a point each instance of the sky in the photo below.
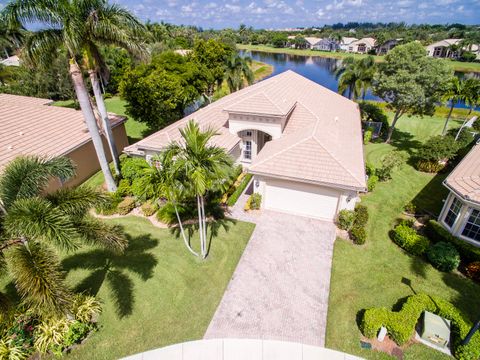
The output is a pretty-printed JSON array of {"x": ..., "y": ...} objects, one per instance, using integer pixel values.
[{"x": 277, "y": 14}]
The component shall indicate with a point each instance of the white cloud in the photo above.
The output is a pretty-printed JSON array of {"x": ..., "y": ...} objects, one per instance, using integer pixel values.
[
  {"x": 233, "y": 8},
  {"x": 211, "y": 5},
  {"x": 187, "y": 8},
  {"x": 253, "y": 8}
]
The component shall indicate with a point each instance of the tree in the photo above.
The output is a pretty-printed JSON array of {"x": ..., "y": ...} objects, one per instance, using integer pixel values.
[
  {"x": 34, "y": 223},
  {"x": 204, "y": 168},
  {"x": 238, "y": 72},
  {"x": 64, "y": 27},
  {"x": 471, "y": 91},
  {"x": 453, "y": 94},
  {"x": 158, "y": 93},
  {"x": 410, "y": 82},
  {"x": 11, "y": 38},
  {"x": 356, "y": 76},
  {"x": 279, "y": 40}
]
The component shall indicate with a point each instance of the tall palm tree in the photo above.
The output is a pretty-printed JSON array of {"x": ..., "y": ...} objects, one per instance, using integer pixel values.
[
  {"x": 64, "y": 27},
  {"x": 203, "y": 167},
  {"x": 11, "y": 38},
  {"x": 471, "y": 91},
  {"x": 238, "y": 72},
  {"x": 355, "y": 76},
  {"x": 454, "y": 93},
  {"x": 367, "y": 70},
  {"x": 33, "y": 224}
]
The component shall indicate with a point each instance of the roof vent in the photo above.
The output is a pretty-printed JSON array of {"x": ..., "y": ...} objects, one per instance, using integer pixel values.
[
  {"x": 10, "y": 147},
  {"x": 335, "y": 118},
  {"x": 21, "y": 133}
]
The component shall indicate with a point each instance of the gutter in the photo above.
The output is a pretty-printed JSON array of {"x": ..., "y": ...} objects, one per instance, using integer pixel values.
[{"x": 468, "y": 201}]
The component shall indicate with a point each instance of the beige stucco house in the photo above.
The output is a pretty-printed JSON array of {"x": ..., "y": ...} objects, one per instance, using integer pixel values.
[
  {"x": 362, "y": 46},
  {"x": 33, "y": 126},
  {"x": 301, "y": 141},
  {"x": 445, "y": 49},
  {"x": 461, "y": 211}
]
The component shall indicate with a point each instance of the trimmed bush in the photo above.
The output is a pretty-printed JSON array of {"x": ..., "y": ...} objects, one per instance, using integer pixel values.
[
  {"x": 361, "y": 215},
  {"x": 436, "y": 232},
  {"x": 148, "y": 208},
  {"x": 133, "y": 167},
  {"x": 401, "y": 325},
  {"x": 358, "y": 235},
  {"x": 345, "y": 219},
  {"x": 408, "y": 239},
  {"x": 372, "y": 182},
  {"x": 239, "y": 190},
  {"x": 443, "y": 256},
  {"x": 126, "y": 205},
  {"x": 472, "y": 270}
]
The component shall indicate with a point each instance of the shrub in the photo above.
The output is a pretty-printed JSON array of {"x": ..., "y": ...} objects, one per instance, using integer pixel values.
[
  {"x": 370, "y": 169},
  {"x": 429, "y": 166},
  {"x": 472, "y": 270},
  {"x": 373, "y": 112},
  {"x": 443, "y": 256},
  {"x": 239, "y": 190},
  {"x": 408, "y": 239},
  {"x": 367, "y": 136},
  {"x": 361, "y": 215},
  {"x": 13, "y": 351},
  {"x": 77, "y": 331},
  {"x": 109, "y": 207},
  {"x": 433, "y": 154},
  {"x": 358, "y": 235},
  {"x": 86, "y": 308},
  {"x": 126, "y": 205},
  {"x": 391, "y": 161},
  {"x": 233, "y": 186},
  {"x": 123, "y": 188},
  {"x": 410, "y": 208},
  {"x": 148, "y": 208},
  {"x": 345, "y": 219},
  {"x": 437, "y": 232},
  {"x": 50, "y": 335},
  {"x": 401, "y": 325},
  {"x": 372, "y": 182},
  {"x": 166, "y": 213},
  {"x": 132, "y": 167},
  {"x": 256, "y": 201}
]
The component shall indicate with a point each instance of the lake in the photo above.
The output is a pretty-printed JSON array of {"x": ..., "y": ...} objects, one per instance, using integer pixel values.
[{"x": 318, "y": 69}]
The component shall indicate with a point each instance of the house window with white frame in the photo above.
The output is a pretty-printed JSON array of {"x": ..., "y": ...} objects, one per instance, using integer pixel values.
[
  {"x": 472, "y": 226},
  {"x": 247, "y": 150},
  {"x": 453, "y": 212}
]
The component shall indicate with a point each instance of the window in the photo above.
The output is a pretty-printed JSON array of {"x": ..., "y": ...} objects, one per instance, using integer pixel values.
[
  {"x": 247, "y": 151},
  {"x": 453, "y": 212},
  {"x": 248, "y": 133},
  {"x": 472, "y": 227}
]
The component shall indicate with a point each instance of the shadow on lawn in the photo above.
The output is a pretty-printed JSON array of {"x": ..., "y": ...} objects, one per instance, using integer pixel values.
[
  {"x": 467, "y": 298},
  {"x": 114, "y": 270},
  {"x": 403, "y": 140}
]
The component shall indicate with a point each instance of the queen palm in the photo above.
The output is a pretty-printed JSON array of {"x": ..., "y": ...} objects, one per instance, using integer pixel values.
[
  {"x": 471, "y": 90},
  {"x": 454, "y": 93},
  {"x": 65, "y": 27},
  {"x": 348, "y": 76},
  {"x": 34, "y": 223},
  {"x": 238, "y": 72},
  {"x": 203, "y": 168}
]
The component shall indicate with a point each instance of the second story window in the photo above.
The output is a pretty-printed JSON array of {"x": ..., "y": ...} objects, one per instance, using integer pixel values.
[{"x": 247, "y": 151}]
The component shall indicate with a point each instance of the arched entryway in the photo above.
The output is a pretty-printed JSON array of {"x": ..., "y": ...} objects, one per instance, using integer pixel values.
[{"x": 252, "y": 143}]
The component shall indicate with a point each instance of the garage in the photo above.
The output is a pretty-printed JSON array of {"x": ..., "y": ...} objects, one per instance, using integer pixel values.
[{"x": 300, "y": 199}]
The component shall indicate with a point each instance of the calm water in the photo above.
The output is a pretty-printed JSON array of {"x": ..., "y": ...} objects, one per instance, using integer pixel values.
[{"x": 318, "y": 69}]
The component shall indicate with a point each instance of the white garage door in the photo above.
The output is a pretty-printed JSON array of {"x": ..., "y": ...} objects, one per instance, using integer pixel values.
[{"x": 301, "y": 199}]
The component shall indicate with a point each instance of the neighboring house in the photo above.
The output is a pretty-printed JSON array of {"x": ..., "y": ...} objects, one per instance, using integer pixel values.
[
  {"x": 362, "y": 46},
  {"x": 446, "y": 49},
  {"x": 312, "y": 42},
  {"x": 345, "y": 42},
  {"x": 11, "y": 61},
  {"x": 33, "y": 126},
  {"x": 461, "y": 210},
  {"x": 301, "y": 141},
  {"x": 327, "y": 45},
  {"x": 388, "y": 45}
]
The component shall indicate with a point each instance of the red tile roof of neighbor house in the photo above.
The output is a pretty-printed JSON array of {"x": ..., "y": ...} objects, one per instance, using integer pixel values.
[
  {"x": 321, "y": 142},
  {"x": 465, "y": 178},
  {"x": 30, "y": 126}
]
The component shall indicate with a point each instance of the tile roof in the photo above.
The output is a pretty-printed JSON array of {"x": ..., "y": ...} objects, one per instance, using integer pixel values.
[
  {"x": 321, "y": 141},
  {"x": 30, "y": 126},
  {"x": 465, "y": 178}
]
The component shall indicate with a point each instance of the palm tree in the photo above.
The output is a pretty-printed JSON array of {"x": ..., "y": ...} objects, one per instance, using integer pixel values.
[
  {"x": 65, "y": 27},
  {"x": 356, "y": 76},
  {"x": 203, "y": 167},
  {"x": 238, "y": 71},
  {"x": 367, "y": 70},
  {"x": 10, "y": 37},
  {"x": 33, "y": 224},
  {"x": 453, "y": 94},
  {"x": 471, "y": 91}
]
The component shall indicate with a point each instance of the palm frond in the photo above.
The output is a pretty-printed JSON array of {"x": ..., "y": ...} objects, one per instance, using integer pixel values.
[
  {"x": 76, "y": 201},
  {"x": 38, "y": 279},
  {"x": 96, "y": 232},
  {"x": 41, "y": 47},
  {"x": 19, "y": 12}
]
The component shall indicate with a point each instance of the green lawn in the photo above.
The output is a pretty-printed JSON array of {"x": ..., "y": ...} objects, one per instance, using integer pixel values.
[
  {"x": 157, "y": 293},
  {"x": 456, "y": 65},
  {"x": 371, "y": 275}
]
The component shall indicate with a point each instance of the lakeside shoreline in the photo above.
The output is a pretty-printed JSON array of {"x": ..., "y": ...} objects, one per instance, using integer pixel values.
[{"x": 456, "y": 65}]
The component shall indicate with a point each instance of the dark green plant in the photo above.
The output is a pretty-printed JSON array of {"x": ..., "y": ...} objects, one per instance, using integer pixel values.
[
  {"x": 124, "y": 188},
  {"x": 443, "y": 256},
  {"x": 133, "y": 167},
  {"x": 239, "y": 190},
  {"x": 77, "y": 331},
  {"x": 436, "y": 151},
  {"x": 346, "y": 219},
  {"x": 361, "y": 215},
  {"x": 358, "y": 235},
  {"x": 370, "y": 169},
  {"x": 408, "y": 239},
  {"x": 373, "y": 112}
]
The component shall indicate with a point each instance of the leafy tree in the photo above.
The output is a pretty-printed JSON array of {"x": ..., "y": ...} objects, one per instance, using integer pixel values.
[
  {"x": 410, "y": 82},
  {"x": 157, "y": 93},
  {"x": 279, "y": 40},
  {"x": 33, "y": 223},
  {"x": 238, "y": 72},
  {"x": 454, "y": 93}
]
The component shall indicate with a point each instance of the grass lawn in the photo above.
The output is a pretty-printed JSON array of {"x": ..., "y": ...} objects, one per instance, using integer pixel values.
[
  {"x": 456, "y": 65},
  {"x": 157, "y": 293},
  {"x": 371, "y": 275}
]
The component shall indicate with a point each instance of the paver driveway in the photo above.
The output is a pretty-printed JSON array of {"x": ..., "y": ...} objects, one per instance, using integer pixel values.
[{"x": 279, "y": 290}]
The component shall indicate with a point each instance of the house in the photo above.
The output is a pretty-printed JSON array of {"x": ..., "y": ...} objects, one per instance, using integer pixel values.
[
  {"x": 461, "y": 211},
  {"x": 33, "y": 126},
  {"x": 362, "y": 46},
  {"x": 388, "y": 45},
  {"x": 301, "y": 141},
  {"x": 312, "y": 42},
  {"x": 345, "y": 42},
  {"x": 446, "y": 49},
  {"x": 11, "y": 61},
  {"x": 327, "y": 45}
]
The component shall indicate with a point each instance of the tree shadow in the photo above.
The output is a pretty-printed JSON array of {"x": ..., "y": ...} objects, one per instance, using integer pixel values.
[
  {"x": 114, "y": 270},
  {"x": 404, "y": 141},
  {"x": 430, "y": 199},
  {"x": 466, "y": 299}
]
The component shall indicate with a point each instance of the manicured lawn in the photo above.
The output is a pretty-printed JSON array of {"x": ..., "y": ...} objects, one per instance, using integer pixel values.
[
  {"x": 371, "y": 275},
  {"x": 456, "y": 65},
  {"x": 157, "y": 293}
]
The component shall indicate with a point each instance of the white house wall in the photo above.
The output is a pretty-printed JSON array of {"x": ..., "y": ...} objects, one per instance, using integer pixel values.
[{"x": 270, "y": 125}]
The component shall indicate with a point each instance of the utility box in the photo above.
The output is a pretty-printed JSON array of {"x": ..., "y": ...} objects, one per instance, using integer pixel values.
[{"x": 435, "y": 330}]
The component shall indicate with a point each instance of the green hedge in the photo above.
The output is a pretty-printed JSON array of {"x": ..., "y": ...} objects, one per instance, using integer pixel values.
[
  {"x": 408, "y": 239},
  {"x": 401, "y": 325},
  {"x": 239, "y": 190},
  {"x": 437, "y": 232}
]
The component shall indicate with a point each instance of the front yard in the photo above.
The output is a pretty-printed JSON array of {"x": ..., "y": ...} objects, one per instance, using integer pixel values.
[
  {"x": 157, "y": 293},
  {"x": 376, "y": 274}
]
